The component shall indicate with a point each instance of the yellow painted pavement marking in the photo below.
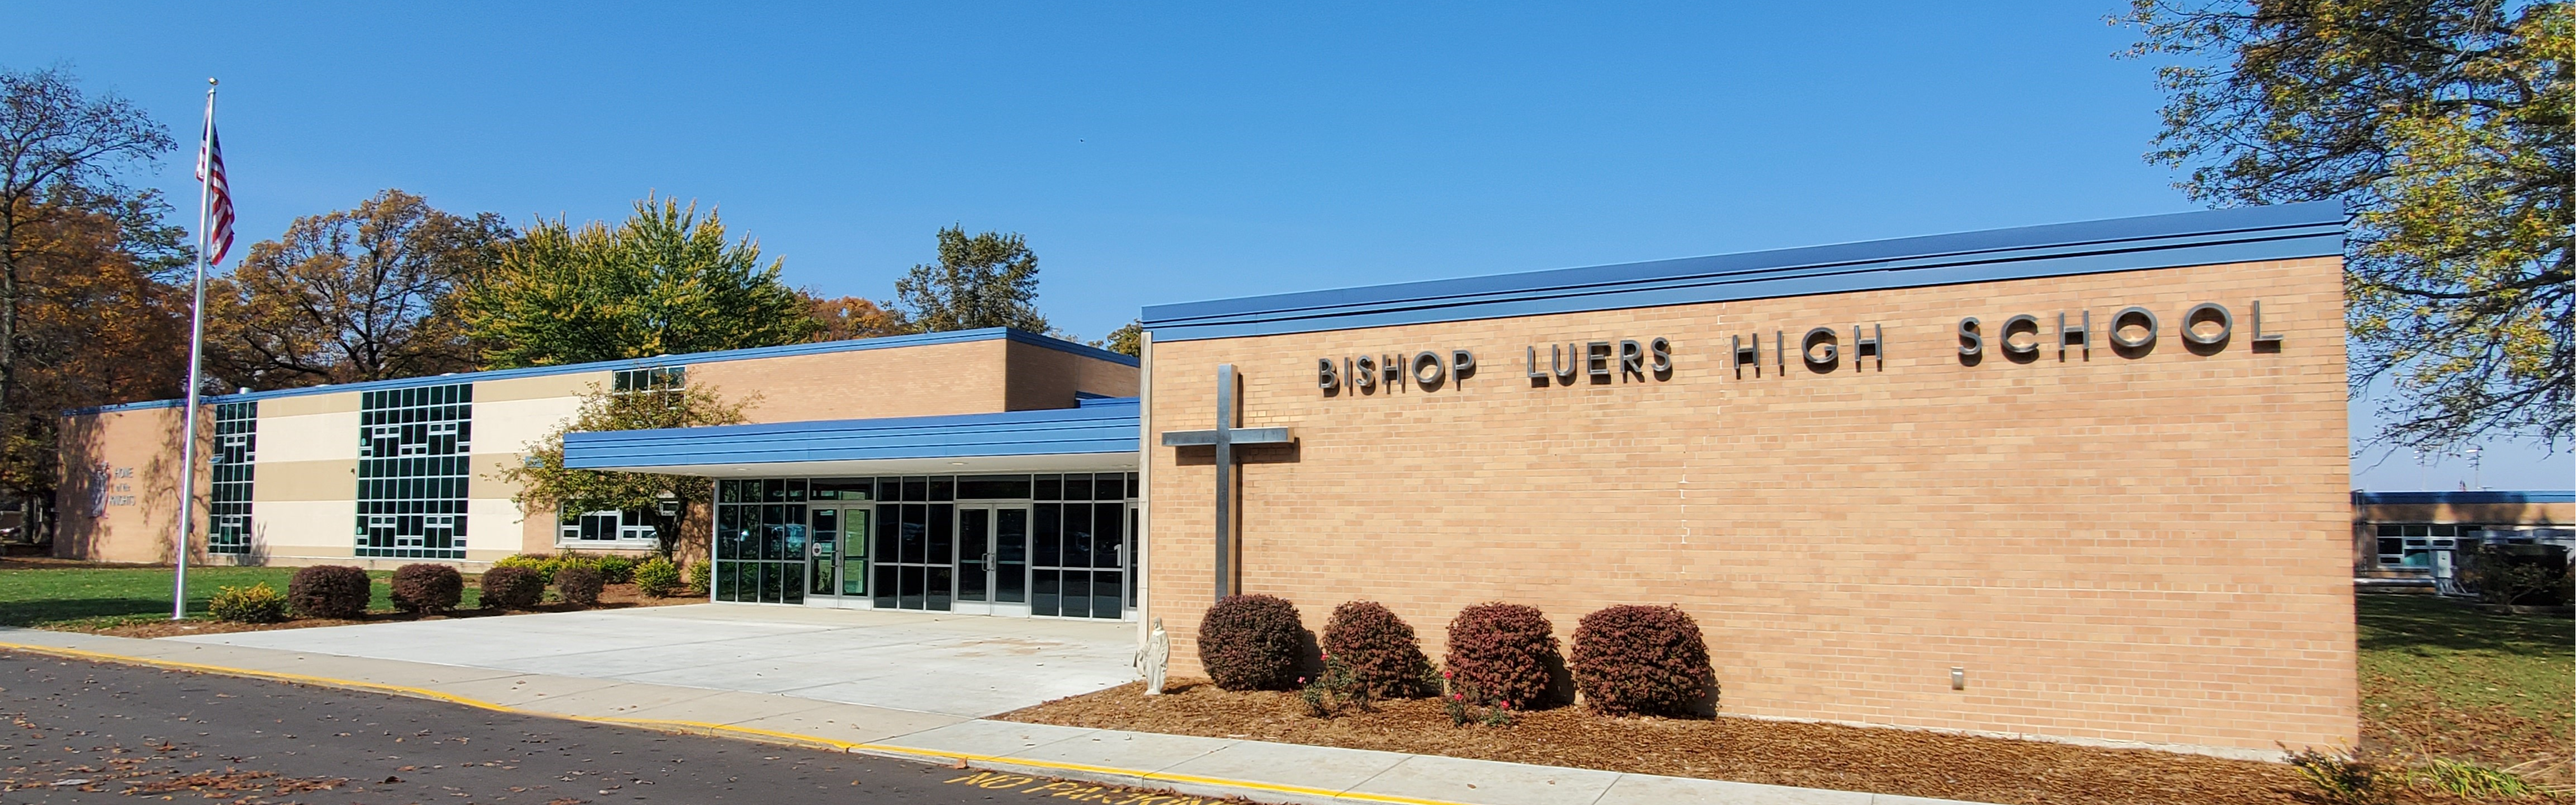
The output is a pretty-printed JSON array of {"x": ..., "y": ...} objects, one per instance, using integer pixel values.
[{"x": 719, "y": 729}]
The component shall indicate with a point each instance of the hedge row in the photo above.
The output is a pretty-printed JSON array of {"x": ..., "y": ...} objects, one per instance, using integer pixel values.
[{"x": 1627, "y": 660}]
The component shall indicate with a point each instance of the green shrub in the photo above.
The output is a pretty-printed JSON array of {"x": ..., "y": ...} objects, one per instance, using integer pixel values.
[
  {"x": 541, "y": 564},
  {"x": 512, "y": 587},
  {"x": 329, "y": 591},
  {"x": 427, "y": 589},
  {"x": 1252, "y": 642},
  {"x": 657, "y": 577},
  {"x": 1637, "y": 660},
  {"x": 615, "y": 569},
  {"x": 578, "y": 585},
  {"x": 258, "y": 603},
  {"x": 1384, "y": 657},
  {"x": 698, "y": 581},
  {"x": 1502, "y": 654}
]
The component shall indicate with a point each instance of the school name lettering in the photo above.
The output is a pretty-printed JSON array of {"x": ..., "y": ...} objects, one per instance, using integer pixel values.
[{"x": 2131, "y": 332}]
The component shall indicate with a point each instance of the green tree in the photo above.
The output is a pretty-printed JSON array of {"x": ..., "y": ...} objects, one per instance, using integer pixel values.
[
  {"x": 984, "y": 280},
  {"x": 2445, "y": 126},
  {"x": 1128, "y": 339},
  {"x": 352, "y": 295},
  {"x": 542, "y": 479},
  {"x": 664, "y": 282}
]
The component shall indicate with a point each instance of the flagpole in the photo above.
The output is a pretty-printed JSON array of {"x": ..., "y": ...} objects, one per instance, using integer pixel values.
[{"x": 196, "y": 346}]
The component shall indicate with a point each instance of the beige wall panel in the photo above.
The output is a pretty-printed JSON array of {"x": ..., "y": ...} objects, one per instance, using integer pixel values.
[
  {"x": 338, "y": 402},
  {"x": 1042, "y": 378},
  {"x": 307, "y": 437},
  {"x": 960, "y": 378},
  {"x": 509, "y": 426},
  {"x": 569, "y": 384},
  {"x": 304, "y": 528},
  {"x": 494, "y": 524},
  {"x": 303, "y": 480},
  {"x": 2152, "y": 549}
]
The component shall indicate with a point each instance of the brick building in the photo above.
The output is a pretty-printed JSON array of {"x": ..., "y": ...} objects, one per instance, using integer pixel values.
[{"x": 2085, "y": 482}]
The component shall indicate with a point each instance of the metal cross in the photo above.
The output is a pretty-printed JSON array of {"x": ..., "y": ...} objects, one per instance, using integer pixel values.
[{"x": 1224, "y": 438}]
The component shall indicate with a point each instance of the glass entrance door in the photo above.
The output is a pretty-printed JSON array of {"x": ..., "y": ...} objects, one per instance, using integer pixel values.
[
  {"x": 993, "y": 559},
  {"x": 974, "y": 559},
  {"x": 823, "y": 556}
]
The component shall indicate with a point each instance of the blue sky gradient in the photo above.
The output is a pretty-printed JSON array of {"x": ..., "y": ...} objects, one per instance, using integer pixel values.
[{"x": 1159, "y": 153}]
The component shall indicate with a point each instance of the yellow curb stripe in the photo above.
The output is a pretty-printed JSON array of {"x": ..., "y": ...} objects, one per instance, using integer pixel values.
[{"x": 711, "y": 727}]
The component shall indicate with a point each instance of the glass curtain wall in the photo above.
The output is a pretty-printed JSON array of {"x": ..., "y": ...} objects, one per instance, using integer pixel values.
[{"x": 1049, "y": 545}]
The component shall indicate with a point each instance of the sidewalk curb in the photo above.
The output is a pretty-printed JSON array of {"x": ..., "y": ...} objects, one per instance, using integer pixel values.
[
  {"x": 1202, "y": 786},
  {"x": 1133, "y": 778}
]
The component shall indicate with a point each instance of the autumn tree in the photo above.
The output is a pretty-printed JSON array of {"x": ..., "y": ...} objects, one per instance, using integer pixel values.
[
  {"x": 984, "y": 280},
  {"x": 849, "y": 317},
  {"x": 664, "y": 282},
  {"x": 351, "y": 295},
  {"x": 542, "y": 479},
  {"x": 2445, "y": 126},
  {"x": 60, "y": 149},
  {"x": 98, "y": 324}
]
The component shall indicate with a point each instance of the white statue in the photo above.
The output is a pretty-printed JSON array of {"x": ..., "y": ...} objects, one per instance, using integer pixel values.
[{"x": 1153, "y": 657}]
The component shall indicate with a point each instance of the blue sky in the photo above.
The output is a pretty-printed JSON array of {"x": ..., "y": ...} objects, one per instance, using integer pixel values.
[{"x": 1162, "y": 153}]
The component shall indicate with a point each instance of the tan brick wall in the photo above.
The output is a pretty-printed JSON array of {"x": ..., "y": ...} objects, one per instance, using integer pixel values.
[
  {"x": 118, "y": 501},
  {"x": 2148, "y": 549},
  {"x": 1043, "y": 378},
  {"x": 930, "y": 380}
]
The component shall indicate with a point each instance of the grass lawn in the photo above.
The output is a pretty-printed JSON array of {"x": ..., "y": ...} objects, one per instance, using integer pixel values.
[
  {"x": 98, "y": 597},
  {"x": 2438, "y": 678}
]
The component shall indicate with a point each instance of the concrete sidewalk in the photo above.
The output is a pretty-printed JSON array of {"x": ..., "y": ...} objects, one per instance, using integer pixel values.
[{"x": 1268, "y": 772}]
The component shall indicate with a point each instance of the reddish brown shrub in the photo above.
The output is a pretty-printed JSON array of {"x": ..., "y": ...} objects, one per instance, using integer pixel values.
[
  {"x": 578, "y": 585},
  {"x": 1502, "y": 654},
  {"x": 427, "y": 589},
  {"x": 1633, "y": 660},
  {"x": 1384, "y": 657},
  {"x": 329, "y": 591},
  {"x": 512, "y": 588},
  {"x": 1252, "y": 642}
]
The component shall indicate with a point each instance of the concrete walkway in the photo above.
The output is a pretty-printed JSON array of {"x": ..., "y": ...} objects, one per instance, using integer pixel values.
[
  {"x": 958, "y": 665},
  {"x": 1017, "y": 756}
]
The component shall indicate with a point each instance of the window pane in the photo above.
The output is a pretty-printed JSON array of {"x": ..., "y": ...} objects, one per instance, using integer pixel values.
[
  {"x": 1050, "y": 487},
  {"x": 1106, "y": 522},
  {"x": 943, "y": 536},
  {"x": 982, "y": 487},
  {"x": 1077, "y": 539},
  {"x": 943, "y": 487},
  {"x": 1077, "y": 487},
  {"x": 1048, "y": 538}
]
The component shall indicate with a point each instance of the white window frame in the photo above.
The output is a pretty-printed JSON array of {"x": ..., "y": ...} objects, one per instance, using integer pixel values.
[{"x": 630, "y": 534}]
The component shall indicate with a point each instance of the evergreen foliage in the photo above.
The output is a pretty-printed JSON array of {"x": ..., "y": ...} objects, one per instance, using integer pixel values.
[
  {"x": 330, "y": 591},
  {"x": 1252, "y": 642}
]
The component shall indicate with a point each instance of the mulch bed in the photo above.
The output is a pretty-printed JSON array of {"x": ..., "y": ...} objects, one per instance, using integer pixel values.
[
  {"x": 612, "y": 596},
  {"x": 1892, "y": 761}
]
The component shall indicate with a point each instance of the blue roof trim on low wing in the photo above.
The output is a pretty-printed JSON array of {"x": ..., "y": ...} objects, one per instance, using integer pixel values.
[
  {"x": 818, "y": 348},
  {"x": 2456, "y": 498},
  {"x": 1096, "y": 426},
  {"x": 2244, "y": 234}
]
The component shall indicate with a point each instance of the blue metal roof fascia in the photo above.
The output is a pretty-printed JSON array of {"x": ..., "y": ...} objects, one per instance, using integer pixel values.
[
  {"x": 1097, "y": 428},
  {"x": 1061, "y": 345},
  {"x": 2427, "y": 498},
  {"x": 819, "y": 348},
  {"x": 2127, "y": 244}
]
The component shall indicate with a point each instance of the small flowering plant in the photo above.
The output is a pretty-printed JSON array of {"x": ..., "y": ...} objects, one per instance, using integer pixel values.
[
  {"x": 1338, "y": 687},
  {"x": 1465, "y": 706}
]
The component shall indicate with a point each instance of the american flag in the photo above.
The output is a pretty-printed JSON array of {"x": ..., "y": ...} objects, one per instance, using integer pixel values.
[{"x": 219, "y": 196}]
